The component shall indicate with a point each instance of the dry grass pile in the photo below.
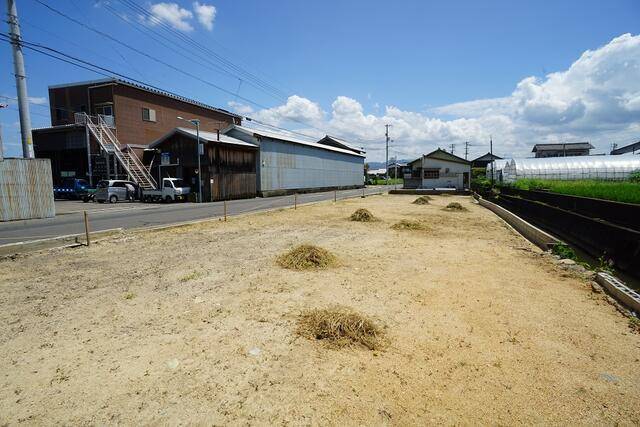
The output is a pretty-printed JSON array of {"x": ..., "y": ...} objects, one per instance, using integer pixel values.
[
  {"x": 305, "y": 257},
  {"x": 455, "y": 206},
  {"x": 363, "y": 215},
  {"x": 422, "y": 200},
  {"x": 340, "y": 327},
  {"x": 405, "y": 224}
]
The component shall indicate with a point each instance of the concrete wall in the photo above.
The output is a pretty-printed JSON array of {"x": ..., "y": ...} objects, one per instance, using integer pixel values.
[
  {"x": 451, "y": 173},
  {"x": 26, "y": 189}
]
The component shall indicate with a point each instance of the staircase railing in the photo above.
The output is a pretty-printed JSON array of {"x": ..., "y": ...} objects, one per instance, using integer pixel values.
[{"x": 130, "y": 162}]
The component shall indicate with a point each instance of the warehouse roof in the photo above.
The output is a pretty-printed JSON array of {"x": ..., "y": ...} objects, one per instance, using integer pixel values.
[
  {"x": 282, "y": 136},
  {"x": 567, "y": 146},
  {"x": 204, "y": 136},
  {"x": 340, "y": 143},
  {"x": 631, "y": 148},
  {"x": 154, "y": 90}
]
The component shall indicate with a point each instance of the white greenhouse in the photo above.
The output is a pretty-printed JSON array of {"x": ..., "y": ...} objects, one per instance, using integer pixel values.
[
  {"x": 497, "y": 166},
  {"x": 571, "y": 168}
]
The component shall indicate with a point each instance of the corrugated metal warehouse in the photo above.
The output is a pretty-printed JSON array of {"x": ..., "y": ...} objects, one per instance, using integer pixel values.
[
  {"x": 288, "y": 164},
  {"x": 26, "y": 189}
]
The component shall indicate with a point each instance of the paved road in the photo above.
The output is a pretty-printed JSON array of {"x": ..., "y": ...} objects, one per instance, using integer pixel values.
[{"x": 134, "y": 215}]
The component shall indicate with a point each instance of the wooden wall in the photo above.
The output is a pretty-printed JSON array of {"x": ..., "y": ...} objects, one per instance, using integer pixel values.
[
  {"x": 231, "y": 172},
  {"x": 228, "y": 171}
]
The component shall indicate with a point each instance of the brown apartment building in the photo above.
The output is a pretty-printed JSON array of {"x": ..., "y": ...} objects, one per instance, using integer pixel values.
[{"x": 136, "y": 116}]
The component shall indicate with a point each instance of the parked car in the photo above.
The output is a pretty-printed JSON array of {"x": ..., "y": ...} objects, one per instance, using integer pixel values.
[
  {"x": 72, "y": 188},
  {"x": 172, "y": 190},
  {"x": 116, "y": 190}
]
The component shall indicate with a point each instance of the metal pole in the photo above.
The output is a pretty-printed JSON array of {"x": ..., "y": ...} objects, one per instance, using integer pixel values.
[
  {"x": 493, "y": 162},
  {"x": 21, "y": 80},
  {"x": 395, "y": 174},
  {"x": 335, "y": 196},
  {"x": 86, "y": 228},
  {"x": 386, "y": 162},
  {"x": 295, "y": 201},
  {"x": 1, "y": 150},
  {"x": 197, "y": 123},
  {"x": 88, "y": 140},
  {"x": 225, "y": 210}
]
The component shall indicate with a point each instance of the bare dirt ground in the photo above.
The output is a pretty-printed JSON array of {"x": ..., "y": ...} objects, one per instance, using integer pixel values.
[{"x": 196, "y": 325}]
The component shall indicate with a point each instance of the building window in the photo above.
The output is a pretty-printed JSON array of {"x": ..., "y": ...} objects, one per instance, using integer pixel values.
[
  {"x": 431, "y": 173},
  {"x": 148, "y": 115},
  {"x": 61, "y": 114},
  {"x": 105, "y": 110}
]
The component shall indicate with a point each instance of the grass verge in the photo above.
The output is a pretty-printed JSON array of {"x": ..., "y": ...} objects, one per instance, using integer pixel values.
[{"x": 618, "y": 191}]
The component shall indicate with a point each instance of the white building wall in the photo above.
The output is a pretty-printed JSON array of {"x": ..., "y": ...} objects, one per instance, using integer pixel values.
[{"x": 451, "y": 173}]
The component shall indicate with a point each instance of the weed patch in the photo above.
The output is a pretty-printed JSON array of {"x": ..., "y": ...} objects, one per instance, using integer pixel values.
[
  {"x": 563, "y": 251},
  {"x": 306, "y": 257},
  {"x": 340, "y": 327}
]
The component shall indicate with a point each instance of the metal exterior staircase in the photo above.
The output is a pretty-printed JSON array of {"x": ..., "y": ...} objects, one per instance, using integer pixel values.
[{"x": 109, "y": 143}]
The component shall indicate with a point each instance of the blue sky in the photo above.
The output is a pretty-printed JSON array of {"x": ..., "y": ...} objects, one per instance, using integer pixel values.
[{"x": 351, "y": 66}]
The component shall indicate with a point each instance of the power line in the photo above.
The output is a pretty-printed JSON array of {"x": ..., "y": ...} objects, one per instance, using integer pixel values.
[
  {"x": 72, "y": 60},
  {"x": 57, "y": 54},
  {"x": 192, "y": 42},
  {"x": 105, "y": 35}
]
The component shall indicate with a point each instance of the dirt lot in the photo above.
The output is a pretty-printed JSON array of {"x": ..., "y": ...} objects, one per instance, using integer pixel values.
[{"x": 197, "y": 325}]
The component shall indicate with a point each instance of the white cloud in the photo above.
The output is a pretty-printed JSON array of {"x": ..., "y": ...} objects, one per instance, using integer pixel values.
[
  {"x": 205, "y": 13},
  {"x": 172, "y": 14},
  {"x": 38, "y": 100},
  {"x": 297, "y": 109},
  {"x": 596, "y": 99}
]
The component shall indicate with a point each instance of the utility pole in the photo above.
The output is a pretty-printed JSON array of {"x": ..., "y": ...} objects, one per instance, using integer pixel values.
[
  {"x": 21, "y": 79},
  {"x": 386, "y": 162},
  {"x": 196, "y": 123},
  {"x": 466, "y": 150},
  {"x": 1, "y": 148},
  {"x": 453, "y": 146},
  {"x": 493, "y": 162}
]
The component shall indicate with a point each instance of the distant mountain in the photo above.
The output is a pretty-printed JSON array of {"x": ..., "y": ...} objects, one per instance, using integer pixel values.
[{"x": 380, "y": 165}]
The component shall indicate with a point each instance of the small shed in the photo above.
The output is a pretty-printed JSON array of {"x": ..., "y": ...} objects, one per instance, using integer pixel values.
[
  {"x": 439, "y": 169},
  {"x": 228, "y": 164},
  {"x": 484, "y": 160}
]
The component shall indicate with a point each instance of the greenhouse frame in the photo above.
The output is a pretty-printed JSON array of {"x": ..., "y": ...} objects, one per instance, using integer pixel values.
[
  {"x": 497, "y": 166},
  {"x": 571, "y": 168}
]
